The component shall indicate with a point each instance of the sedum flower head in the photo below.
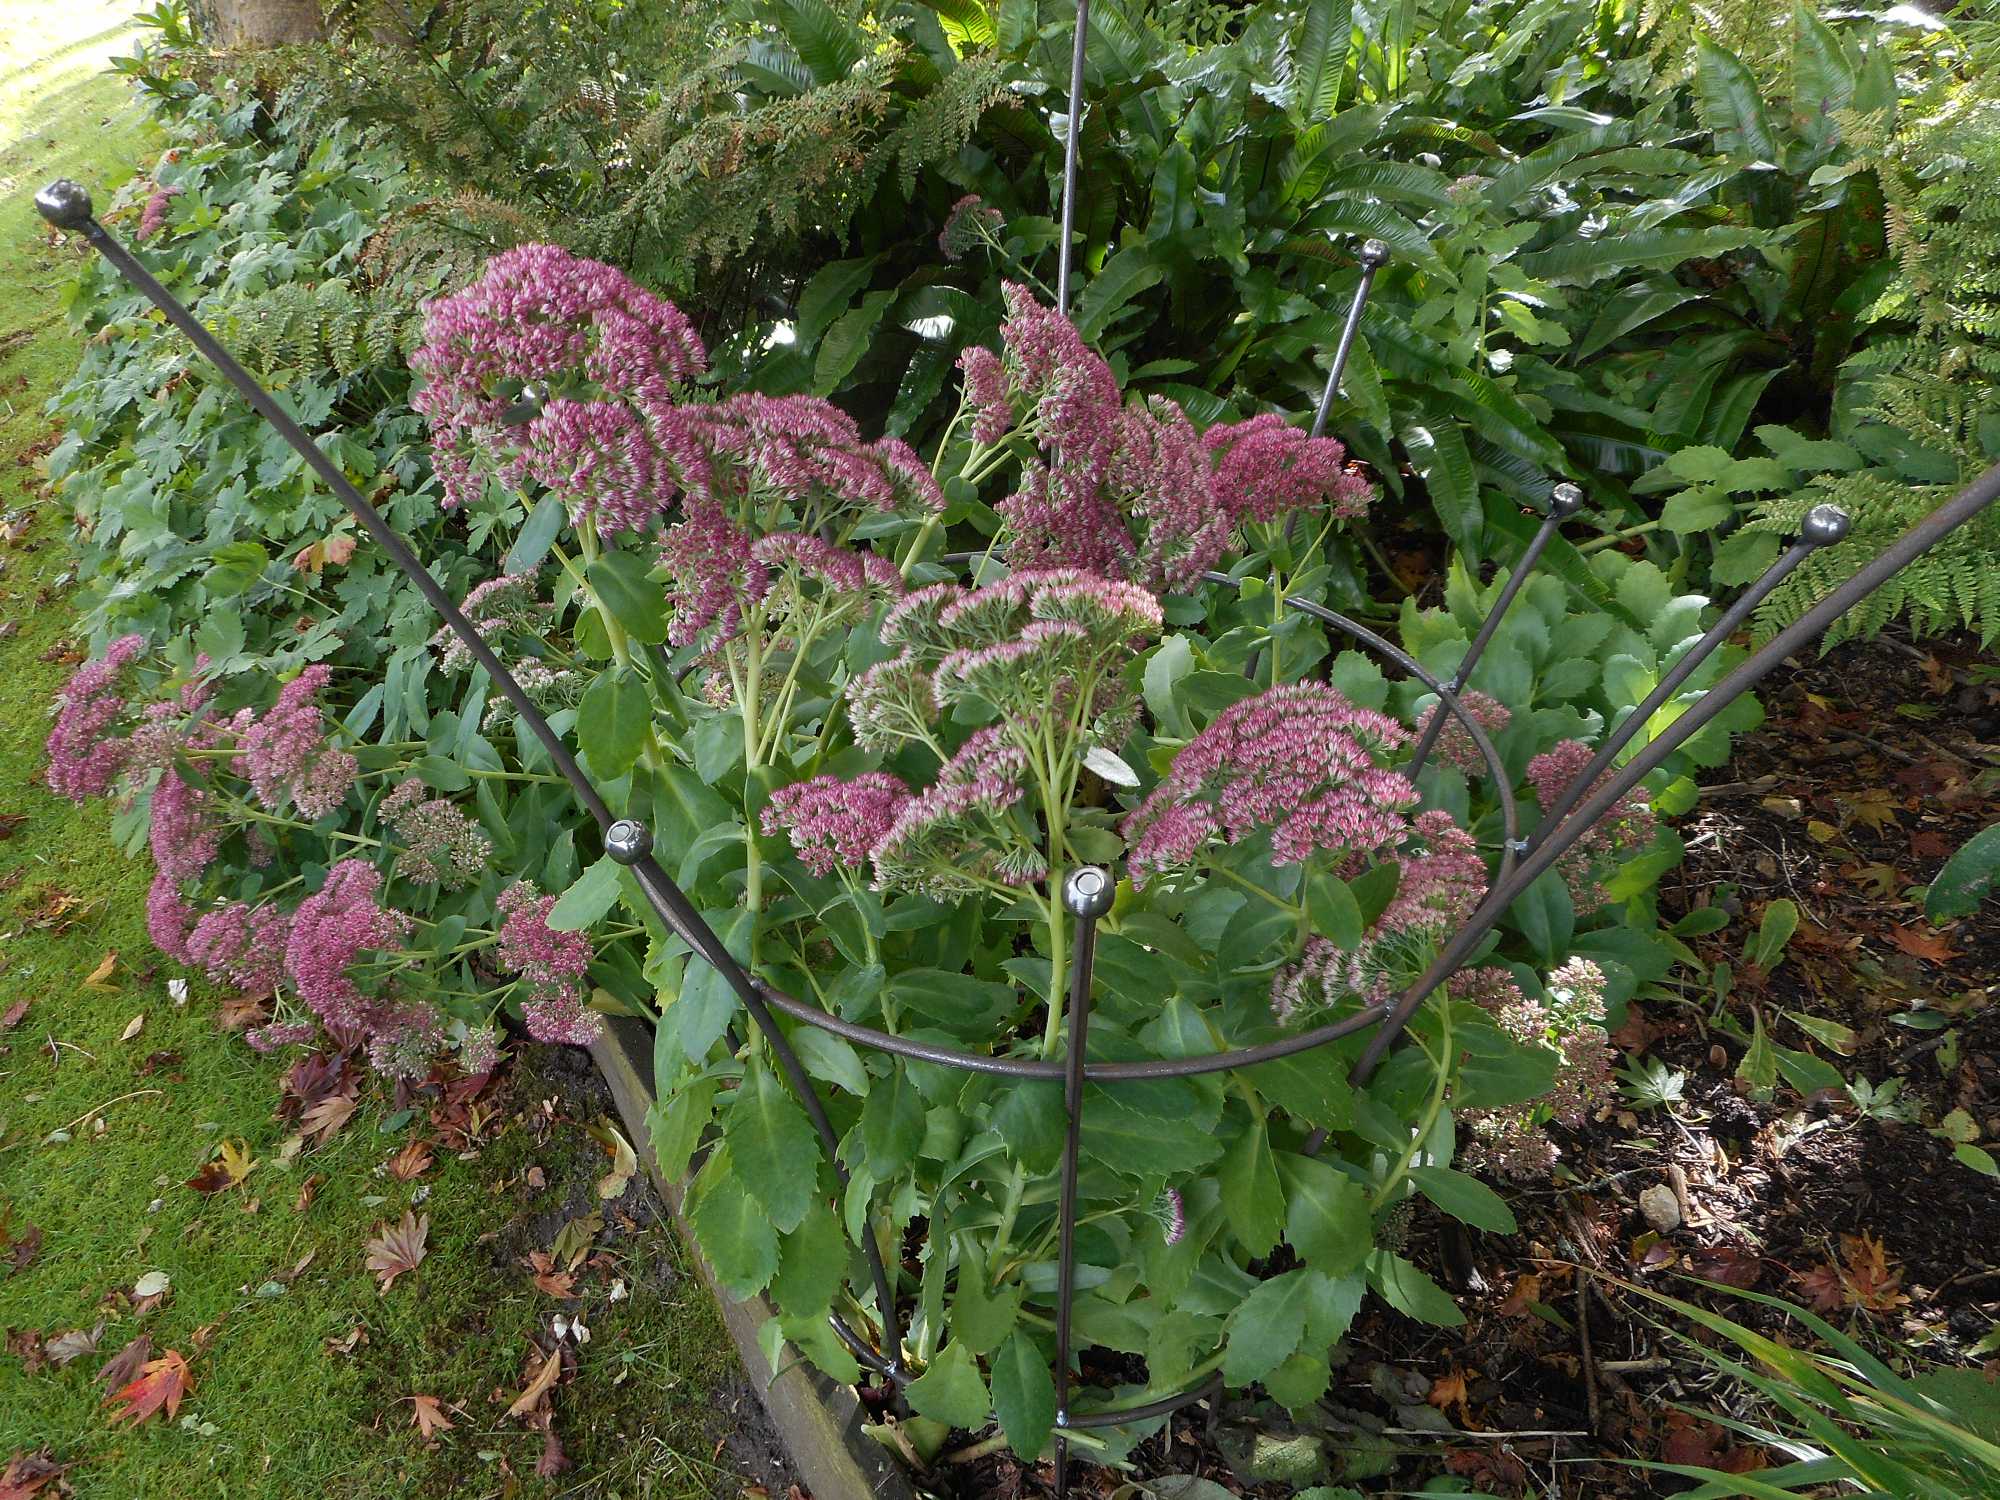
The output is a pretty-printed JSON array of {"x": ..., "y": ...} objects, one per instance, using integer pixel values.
[
  {"x": 84, "y": 756},
  {"x": 242, "y": 946},
  {"x": 441, "y": 844},
  {"x": 551, "y": 963},
  {"x": 284, "y": 755},
  {"x": 1299, "y": 761},
  {"x": 331, "y": 930},
  {"x": 952, "y": 840},
  {"x": 1625, "y": 830},
  {"x": 1266, "y": 468},
  {"x": 1455, "y": 745},
  {"x": 835, "y": 822}
]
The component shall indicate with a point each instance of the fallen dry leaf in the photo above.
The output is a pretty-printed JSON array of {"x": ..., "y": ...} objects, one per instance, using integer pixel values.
[
  {"x": 398, "y": 1249},
  {"x": 125, "y": 1364},
  {"x": 624, "y": 1161},
  {"x": 410, "y": 1162},
  {"x": 1824, "y": 1288},
  {"x": 27, "y": 1474},
  {"x": 1872, "y": 1282},
  {"x": 308, "y": 1190},
  {"x": 20, "y": 1250},
  {"x": 559, "y": 1284},
  {"x": 428, "y": 1416},
  {"x": 324, "y": 1118},
  {"x": 133, "y": 1027},
  {"x": 538, "y": 1388},
  {"x": 11, "y": 1017},
  {"x": 158, "y": 1387},
  {"x": 65, "y": 1348},
  {"x": 99, "y": 978},
  {"x": 1921, "y": 942},
  {"x": 230, "y": 1165}
]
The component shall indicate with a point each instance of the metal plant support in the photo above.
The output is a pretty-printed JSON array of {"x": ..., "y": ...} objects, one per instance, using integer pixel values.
[{"x": 1088, "y": 892}]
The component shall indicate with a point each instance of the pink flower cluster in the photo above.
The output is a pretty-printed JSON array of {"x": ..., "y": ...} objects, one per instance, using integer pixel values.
[
  {"x": 950, "y": 842},
  {"x": 242, "y": 946},
  {"x": 405, "y": 1038},
  {"x": 284, "y": 755},
  {"x": 153, "y": 217},
  {"x": 331, "y": 930},
  {"x": 971, "y": 222},
  {"x": 1455, "y": 745},
  {"x": 1134, "y": 491},
  {"x": 1439, "y": 885},
  {"x": 1299, "y": 761},
  {"x": 835, "y": 823},
  {"x": 1512, "y": 1141},
  {"x": 441, "y": 844},
  {"x": 1266, "y": 468},
  {"x": 1624, "y": 831},
  {"x": 551, "y": 963},
  {"x": 538, "y": 313},
  {"x": 84, "y": 757}
]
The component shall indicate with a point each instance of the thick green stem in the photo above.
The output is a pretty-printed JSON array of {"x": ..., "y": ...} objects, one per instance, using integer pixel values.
[{"x": 1439, "y": 1093}]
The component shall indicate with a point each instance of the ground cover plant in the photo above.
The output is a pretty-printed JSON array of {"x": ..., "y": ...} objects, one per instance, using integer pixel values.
[{"x": 872, "y": 767}]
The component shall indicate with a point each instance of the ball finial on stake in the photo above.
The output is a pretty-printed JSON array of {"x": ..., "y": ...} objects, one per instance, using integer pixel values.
[
  {"x": 1824, "y": 525},
  {"x": 1565, "y": 500},
  {"x": 1374, "y": 253},
  {"x": 627, "y": 841},
  {"x": 65, "y": 204},
  {"x": 1089, "y": 891}
]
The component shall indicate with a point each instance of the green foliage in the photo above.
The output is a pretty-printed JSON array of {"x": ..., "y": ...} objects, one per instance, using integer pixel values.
[{"x": 1847, "y": 1420}]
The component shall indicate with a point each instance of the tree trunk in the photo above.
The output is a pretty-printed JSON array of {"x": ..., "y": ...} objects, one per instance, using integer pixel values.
[{"x": 263, "y": 23}]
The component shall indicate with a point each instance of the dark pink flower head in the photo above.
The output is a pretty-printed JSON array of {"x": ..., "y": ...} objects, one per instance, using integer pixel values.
[
  {"x": 837, "y": 577},
  {"x": 551, "y": 963},
  {"x": 154, "y": 216},
  {"x": 333, "y": 928},
  {"x": 541, "y": 314},
  {"x": 986, "y": 394},
  {"x": 280, "y": 1034},
  {"x": 1625, "y": 830},
  {"x": 835, "y": 822},
  {"x": 284, "y": 755},
  {"x": 184, "y": 834},
  {"x": 1298, "y": 760},
  {"x": 242, "y": 946},
  {"x": 1266, "y": 468},
  {"x": 1060, "y": 515},
  {"x": 1455, "y": 745},
  {"x": 1161, "y": 477},
  {"x": 84, "y": 757},
  {"x": 715, "y": 575},
  {"x": 1440, "y": 885},
  {"x": 602, "y": 458},
  {"x": 169, "y": 918}
]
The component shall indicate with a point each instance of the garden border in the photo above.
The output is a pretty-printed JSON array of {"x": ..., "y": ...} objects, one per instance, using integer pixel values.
[{"x": 818, "y": 1421}]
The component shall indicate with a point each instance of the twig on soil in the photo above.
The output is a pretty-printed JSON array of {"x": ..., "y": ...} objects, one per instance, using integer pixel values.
[
  {"x": 1634, "y": 1366},
  {"x": 973, "y": 1452},
  {"x": 92, "y": 1114},
  {"x": 1486, "y": 1437},
  {"x": 1589, "y": 1356}
]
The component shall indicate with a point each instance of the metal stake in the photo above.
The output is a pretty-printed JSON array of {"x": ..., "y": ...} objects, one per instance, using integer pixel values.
[
  {"x": 1374, "y": 255},
  {"x": 1565, "y": 500},
  {"x": 1063, "y": 249},
  {"x": 1086, "y": 895},
  {"x": 1824, "y": 525}
]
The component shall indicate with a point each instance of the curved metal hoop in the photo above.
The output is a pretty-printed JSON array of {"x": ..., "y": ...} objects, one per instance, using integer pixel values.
[{"x": 68, "y": 207}]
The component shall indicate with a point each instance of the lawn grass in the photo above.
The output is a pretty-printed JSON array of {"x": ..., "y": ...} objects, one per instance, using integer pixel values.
[{"x": 113, "y": 1093}]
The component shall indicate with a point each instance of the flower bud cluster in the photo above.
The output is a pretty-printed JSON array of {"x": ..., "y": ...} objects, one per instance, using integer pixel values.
[
  {"x": 1624, "y": 830},
  {"x": 1569, "y": 1021},
  {"x": 441, "y": 844},
  {"x": 551, "y": 963}
]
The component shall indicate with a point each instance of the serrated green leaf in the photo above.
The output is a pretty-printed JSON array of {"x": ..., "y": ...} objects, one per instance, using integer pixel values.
[
  {"x": 950, "y": 1391},
  {"x": 1411, "y": 1292},
  {"x": 776, "y": 1153},
  {"x": 1024, "y": 1397},
  {"x": 1265, "y": 1328},
  {"x": 1252, "y": 1197},
  {"x": 1326, "y": 1215},
  {"x": 892, "y": 1124},
  {"x": 812, "y": 1263}
]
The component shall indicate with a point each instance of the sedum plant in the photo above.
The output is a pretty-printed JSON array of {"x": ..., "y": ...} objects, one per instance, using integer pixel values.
[{"x": 871, "y": 762}]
